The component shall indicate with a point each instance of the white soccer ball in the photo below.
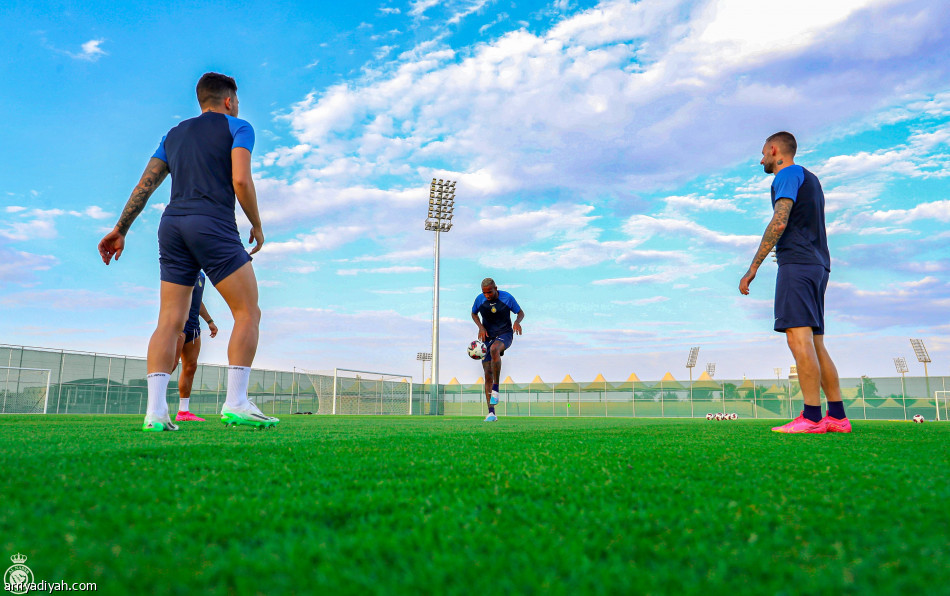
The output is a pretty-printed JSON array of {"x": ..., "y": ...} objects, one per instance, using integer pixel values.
[
  {"x": 476, "y": 350},
  {"x": 710, "y": 416},
  {"x": 733, "y": 416},
  {"x": 720, "y": 416},
  {"x": 919, "y": 419}
]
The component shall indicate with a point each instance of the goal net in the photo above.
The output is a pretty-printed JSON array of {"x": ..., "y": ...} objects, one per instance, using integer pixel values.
[
  {"x": 24, "y": 390},
  {"x": 360, "y": 392}
]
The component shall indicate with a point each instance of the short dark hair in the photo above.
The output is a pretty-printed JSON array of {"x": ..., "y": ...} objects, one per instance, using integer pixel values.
[
  {"x": 214, "y": 87},
  {"x": 786, "y": 140},
  {"x": 488, "y": 282}
]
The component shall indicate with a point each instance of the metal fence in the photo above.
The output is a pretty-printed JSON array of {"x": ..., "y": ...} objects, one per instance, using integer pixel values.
[{"x": 90, "y": 383}]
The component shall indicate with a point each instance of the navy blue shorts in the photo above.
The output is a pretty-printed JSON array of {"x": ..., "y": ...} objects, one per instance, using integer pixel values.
[
  {"x": 504, "y": 338},
  {"x": 189, "y": 243},
  {"x": 800, "y": 297},
  {"x": 191, "y": 334}
]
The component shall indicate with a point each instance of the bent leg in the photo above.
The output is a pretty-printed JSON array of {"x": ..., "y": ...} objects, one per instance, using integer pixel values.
[{"x": 239, "y": 290}]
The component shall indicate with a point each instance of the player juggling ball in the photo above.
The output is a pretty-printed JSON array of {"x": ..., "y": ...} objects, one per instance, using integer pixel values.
[{"x": 497, "y": 331}]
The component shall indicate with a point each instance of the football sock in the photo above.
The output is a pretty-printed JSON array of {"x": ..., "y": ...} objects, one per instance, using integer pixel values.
[
  {"x": 491, "y": 409},
  {"x": 183, "y": 404},
  {"x": 836, "y": 410},
  {"x": 494, "y": 387},
  {"x": 813, "y": 413},
  {"x": 238, "y": 377},
  {"x": 157, "y": 387}
]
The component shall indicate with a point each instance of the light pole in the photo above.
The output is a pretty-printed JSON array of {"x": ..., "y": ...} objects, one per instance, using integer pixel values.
[
  {"x": 441, "y": 206},
  {"x": 690, "y": 363},
  {"x": 711, "y": 369},
  {"x": 922, "y": 356},
  {"x": 424, "y": 357},
  {"x": 901, "y": 365}
]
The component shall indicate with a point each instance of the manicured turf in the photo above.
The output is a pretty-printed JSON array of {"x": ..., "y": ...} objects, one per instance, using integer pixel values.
[{"x": 455, "y": 505}]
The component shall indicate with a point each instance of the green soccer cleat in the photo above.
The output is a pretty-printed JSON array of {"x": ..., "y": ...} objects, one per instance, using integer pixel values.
[
  {"x": 248, "y": 415},
  {"x": 155, "y": 423}
]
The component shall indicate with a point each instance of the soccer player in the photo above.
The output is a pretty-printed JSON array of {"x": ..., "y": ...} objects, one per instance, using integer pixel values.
[
  {"x": 188, "y": 348},
  {"x": 497, "y": 331},
  {"x": 209, "y": 159},
  {"x": 797, "y": 231}
]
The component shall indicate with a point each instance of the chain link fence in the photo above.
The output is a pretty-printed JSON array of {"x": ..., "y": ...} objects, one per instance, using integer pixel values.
[{"x": 91, "y": 383}]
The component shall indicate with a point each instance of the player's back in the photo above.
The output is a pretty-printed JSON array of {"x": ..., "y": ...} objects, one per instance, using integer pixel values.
[{"x": 198, "y": 154}]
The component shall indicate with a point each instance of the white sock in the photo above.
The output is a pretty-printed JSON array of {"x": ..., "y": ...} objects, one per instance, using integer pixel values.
[
  {"x": 157, "y": 390},
  {"x": 238, "y": 378},
  {"x": 183, "y": 404}
]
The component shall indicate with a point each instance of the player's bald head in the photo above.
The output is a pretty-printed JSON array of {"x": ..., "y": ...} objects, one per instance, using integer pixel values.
[{"x": 785, "y": 142}]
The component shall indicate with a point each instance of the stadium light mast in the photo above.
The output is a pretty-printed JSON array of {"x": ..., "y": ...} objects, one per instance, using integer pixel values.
[
  {"x": 424, "y": 357},
  {"x": 441, "y": 206},
  {"x": 901, "y": 365},
  {"x": 711, "y": 369},
  {"x": 922, "y": 356},
  {"x": 690, "y": 363}
]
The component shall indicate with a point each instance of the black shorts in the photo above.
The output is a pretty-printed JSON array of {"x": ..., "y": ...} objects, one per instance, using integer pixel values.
[
  {"x": 191, "y": 334},
  {"x": 189, "y": 243},
  {"x": 800, "y": 297}
]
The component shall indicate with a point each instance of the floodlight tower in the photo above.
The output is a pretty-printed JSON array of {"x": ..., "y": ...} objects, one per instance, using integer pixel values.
[
  {"x": 711, "y": 369},
  {"x": 901, "y": 365},
  {"x": 922, "y": 356},
  {"x": 424, "y": 357},
  {"x": 690, "y": 363},
  {"x": 441, "y": 206}
]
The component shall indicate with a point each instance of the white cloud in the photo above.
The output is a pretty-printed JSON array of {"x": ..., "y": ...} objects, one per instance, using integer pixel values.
[
  {"x": 18, "y": 267},
  {"x": 91, "y": 51},
  {"x": 935, "y": 211},
  {"x": 97, "y": 212}
]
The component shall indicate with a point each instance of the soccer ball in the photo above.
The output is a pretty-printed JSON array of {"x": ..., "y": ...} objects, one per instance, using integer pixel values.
[
  {"x": 733, "y": 416},
  {"x": 709, "y": 416},
  {"x": 720, "y": 416},
  {"x": 919, "y": 419},
  {"x": 476, "y": 350}
]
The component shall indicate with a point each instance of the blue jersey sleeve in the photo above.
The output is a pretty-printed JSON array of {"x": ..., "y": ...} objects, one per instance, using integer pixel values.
[
  {"x": 160, "y": 152},
  {"x": 510, "y": 302},
  {"x": 243, "y": 133},
  {"x": 478, "y": 303},
  {"x": 787, "y": 182}
]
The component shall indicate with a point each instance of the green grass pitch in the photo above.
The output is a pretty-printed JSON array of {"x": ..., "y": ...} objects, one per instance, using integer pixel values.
[{"x": 379, "y": 505}]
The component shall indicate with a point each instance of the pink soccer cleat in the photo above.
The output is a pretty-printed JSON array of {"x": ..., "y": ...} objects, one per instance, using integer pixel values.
[
  {"x": 835, "y": 425},
  {"x": 187, "y": 417},
  {"x": 802, "y": 425}
]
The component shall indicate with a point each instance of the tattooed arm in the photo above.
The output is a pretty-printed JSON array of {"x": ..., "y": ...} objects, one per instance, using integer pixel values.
[
  {"x": 114, "y": 242},
  {"x": 783, "y": 207}
]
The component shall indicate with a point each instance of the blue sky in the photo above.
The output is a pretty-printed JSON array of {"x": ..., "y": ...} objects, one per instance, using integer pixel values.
[{"x": 606, "y": 157}]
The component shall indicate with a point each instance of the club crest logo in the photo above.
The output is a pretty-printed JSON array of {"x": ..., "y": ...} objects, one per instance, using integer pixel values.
[
  {"x": 18, "y": 577},
  {"x": 493, "y": 309}
]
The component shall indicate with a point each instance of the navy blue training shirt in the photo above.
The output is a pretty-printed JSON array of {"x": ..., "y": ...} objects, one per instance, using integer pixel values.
[
  {"x": 198, "y": 154},
  {"x": 804, "y": 241},
  {"x": 496, "y": 314},
  {"x": 196, "y": 295}
]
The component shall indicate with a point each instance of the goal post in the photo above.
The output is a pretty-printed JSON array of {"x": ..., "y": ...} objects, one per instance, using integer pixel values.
[
  {"x": 24, "y": 390},
  {"x": 360, "y": 392},
  {"x": 943, "y": 396},
  {"x": 368, "y": 392}
]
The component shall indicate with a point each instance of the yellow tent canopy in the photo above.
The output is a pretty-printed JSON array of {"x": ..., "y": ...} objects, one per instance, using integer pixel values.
[
  {"x": 633, "y": 382},
  {"x": 538, "y": 385},
  {"x": 454, "y": 381},
  {"x": 706, "y": 382},
  {"x": 599, "y": 382},
  {"x": 568, "y": 383},
  {"x": 668, "y": 382}
]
